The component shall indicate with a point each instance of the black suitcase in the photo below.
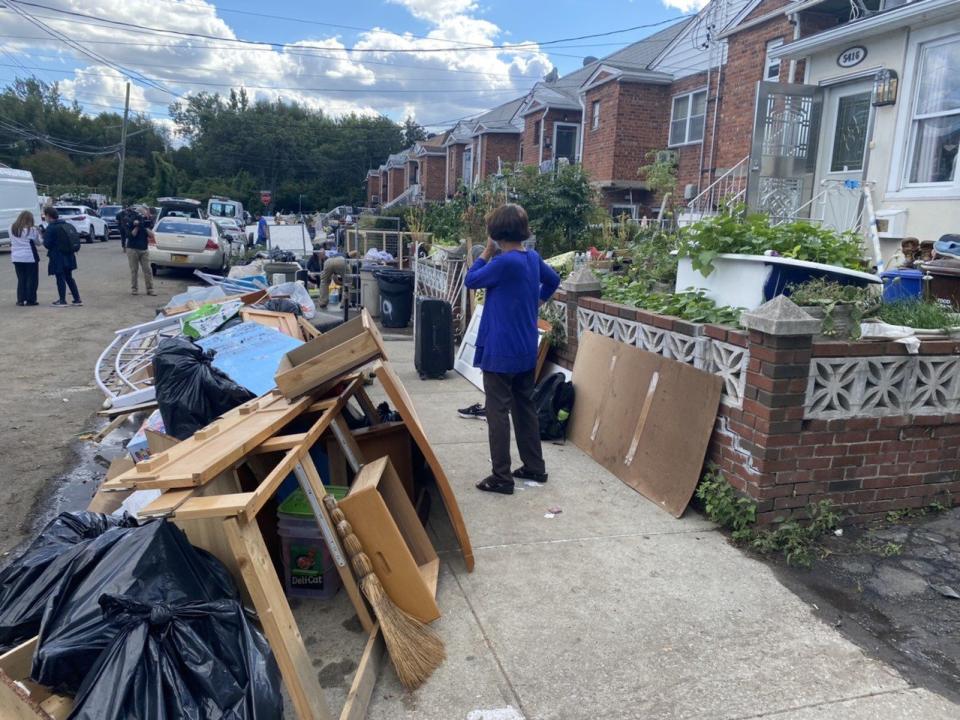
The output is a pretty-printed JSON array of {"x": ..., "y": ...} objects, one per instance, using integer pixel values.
[{"x": 433, "y": 352}]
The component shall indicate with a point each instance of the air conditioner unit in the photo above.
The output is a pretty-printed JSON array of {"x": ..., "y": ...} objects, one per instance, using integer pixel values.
[
  {"x": 666, "y": 157},
  {"x": 689, "y": 191}
]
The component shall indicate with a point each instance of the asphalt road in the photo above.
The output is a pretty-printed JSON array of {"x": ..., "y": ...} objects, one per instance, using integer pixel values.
[{"x": 48, "y": 396}]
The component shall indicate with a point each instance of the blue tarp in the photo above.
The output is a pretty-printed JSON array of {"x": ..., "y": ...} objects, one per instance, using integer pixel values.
[{"x": 250, "y": 354}]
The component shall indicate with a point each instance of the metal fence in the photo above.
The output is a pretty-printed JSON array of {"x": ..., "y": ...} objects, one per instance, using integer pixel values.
[{"x": 441, "y": 276}]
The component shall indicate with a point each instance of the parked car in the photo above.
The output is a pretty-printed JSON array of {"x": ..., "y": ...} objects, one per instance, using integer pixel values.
[
  {"x": 221, "y": 207},
  {"x": 85, "y": 220},
  {"x": 17, "y": 193},
  {"x": 190, "y": 243},
  {"x": 110, "y": 216},
  {"x": 179, "y": 207},
  {"x": 232, "y": 229}
]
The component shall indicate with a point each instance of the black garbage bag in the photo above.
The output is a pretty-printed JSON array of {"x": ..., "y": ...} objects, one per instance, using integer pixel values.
[
  {"x": 191, "y": 393},
  {"x": 153, "y": 563},
  {"x": 25, "y": 584},
  {"x": 283, "y": 305},
  {"x": 181, "y": 661}
]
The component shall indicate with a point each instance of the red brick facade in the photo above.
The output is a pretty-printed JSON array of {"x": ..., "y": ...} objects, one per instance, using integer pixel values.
[
  {"x": 397, "y": 182},
  {"x": 494, "y": 147},
  {"x": 433, "y": 177},
  {"x": 373, "y": 189},
  {"x": 768, "y": 450},
  {"x": 454, "y": 168},
  {"x": 531, "y": 144}
]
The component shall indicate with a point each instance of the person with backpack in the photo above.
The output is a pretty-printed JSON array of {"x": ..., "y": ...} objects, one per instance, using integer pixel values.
[
  {"x": 516, "y": 281},
  {"x": 62, "y": 241}
]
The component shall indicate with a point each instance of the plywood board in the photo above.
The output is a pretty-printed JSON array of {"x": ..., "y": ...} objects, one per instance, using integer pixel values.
[
  {"x": 401, "y": 401},
  {"x": 281, "y": 321},
  {"x": 463, "y": 363},
  {"x": 645, "y": 418}
]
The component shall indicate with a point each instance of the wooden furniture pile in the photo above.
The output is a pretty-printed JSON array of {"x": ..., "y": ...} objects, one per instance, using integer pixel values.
[{"x": 216, "y": 482}]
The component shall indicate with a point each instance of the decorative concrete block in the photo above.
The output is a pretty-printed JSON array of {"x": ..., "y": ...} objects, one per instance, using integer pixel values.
[{"x": 780, "y": 316}]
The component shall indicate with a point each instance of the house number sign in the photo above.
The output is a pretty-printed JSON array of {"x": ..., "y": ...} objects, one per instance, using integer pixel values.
[{"x": 852, "y": 56}]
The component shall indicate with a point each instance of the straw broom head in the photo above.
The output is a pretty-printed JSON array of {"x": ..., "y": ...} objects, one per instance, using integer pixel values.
[{"x": 415, "y": 649}]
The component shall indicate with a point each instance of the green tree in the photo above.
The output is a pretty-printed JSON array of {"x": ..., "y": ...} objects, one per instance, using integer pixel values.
[{"x": 413, "y": 132}]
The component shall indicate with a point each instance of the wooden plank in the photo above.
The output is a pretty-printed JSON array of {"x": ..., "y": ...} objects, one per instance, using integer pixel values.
[
  {"x": 280, "y": 443},
  {"x": 312, "y": 478},
  {"x": 158, "y": 442},
  {"x": 167, "y": 503},
  {"x": 404, "y": 405},
  {"x": 110, "y": 427},
  {"x": 104, "y": 501},
  {"x": 16, "y": 704},
  {"x": 17, "y": 661},
  {"x": 347, "y": 443},
  {"x": 365, "y": 679},
  {"x": 113, "y": 412},
  {"x": 247, "y": 298},
  {"x": 369, "y": 409},
  {"x": 58, "y": 707},
  {"x": 393, "y": 440},
  {"x": 307, "y": 329},
  {"x": 280, "y": 321},
  {"x": 277, "y": 620},
  {"x": 213, "y": 506}
]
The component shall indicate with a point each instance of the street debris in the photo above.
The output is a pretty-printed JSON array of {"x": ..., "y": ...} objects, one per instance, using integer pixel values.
[{"x": 947, "y": 591}]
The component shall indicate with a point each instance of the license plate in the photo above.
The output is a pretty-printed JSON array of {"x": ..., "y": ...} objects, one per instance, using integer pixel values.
[{"x": 178, "y": 258}]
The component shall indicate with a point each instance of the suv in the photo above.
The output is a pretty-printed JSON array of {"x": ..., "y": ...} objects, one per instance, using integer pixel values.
[
  {"x": 109, "y": 214},
  {"x": 179, "y": 207},
  {"x": 85, "y": 220}
]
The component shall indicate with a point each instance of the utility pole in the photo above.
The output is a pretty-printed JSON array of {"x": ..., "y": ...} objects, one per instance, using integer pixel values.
[{"x": 123, "y": 147}]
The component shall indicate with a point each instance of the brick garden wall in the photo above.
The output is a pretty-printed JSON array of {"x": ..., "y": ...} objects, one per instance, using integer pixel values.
[{"x": 863, "y": 425}]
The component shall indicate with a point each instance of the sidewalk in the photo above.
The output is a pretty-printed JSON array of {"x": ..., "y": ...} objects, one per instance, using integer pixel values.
[{"x": 611, "y": 609}]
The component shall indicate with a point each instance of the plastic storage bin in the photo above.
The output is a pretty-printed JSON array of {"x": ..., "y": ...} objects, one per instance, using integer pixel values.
[
  {"x": 902, "y": 284},
  {"x": 308, "y": 569},
  {"x": 370, "y": 291}
]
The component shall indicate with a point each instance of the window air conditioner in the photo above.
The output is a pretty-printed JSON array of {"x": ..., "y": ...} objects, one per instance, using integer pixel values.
[{"x": 666, "y": 157}]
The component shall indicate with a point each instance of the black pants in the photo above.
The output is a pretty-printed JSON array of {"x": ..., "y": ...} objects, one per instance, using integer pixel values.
[
  {"x": 28, "y": 277},
  {"x": 65, "y": 280},
  {"x": 512, "y": 394}
]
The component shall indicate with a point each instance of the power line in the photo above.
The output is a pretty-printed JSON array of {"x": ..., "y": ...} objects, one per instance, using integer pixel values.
[{"x": 509, "y": 47}]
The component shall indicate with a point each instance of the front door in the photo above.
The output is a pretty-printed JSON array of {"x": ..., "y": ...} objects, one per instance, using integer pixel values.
[
  {"x": 846, "y": 124},
  {"x": 565, "y": 141},
  {"x": 783, "y": 157}
]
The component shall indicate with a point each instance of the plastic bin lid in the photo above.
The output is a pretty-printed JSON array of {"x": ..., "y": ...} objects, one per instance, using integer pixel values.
[
  {"x": 901, "y": 272},
  {"x": 296, "y": 505}
]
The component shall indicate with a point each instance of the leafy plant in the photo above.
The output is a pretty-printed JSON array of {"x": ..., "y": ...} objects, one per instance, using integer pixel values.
[
  {"x": 691, "y": 305},
  {"x": 703, "y": 241},
  {"x": 415, "y": 219},
  {"x": 797, "y": 541},
  {"x": 661, "y": 177},
  {"x": 918, "y": 314},
  {"x": 557, "y": 335},
  {"x": 828, "y": 295}
]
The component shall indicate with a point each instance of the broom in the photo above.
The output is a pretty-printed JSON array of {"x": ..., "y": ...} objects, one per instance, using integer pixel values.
[{"x": 415, "y": 649}]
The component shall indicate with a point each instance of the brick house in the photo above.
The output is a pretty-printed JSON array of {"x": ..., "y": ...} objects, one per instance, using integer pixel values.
[
  {"x": 431, "y": 158},
  {"x": 373, "y": 188}
]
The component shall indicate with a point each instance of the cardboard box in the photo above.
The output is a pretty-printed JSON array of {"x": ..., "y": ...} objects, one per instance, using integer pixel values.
[
  {"x": 330, "y": 356},
  {"x": 387, "y": 526}
]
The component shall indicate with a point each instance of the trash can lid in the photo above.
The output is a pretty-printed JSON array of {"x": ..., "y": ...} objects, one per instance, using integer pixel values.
[{"x": 297, "y": 505}]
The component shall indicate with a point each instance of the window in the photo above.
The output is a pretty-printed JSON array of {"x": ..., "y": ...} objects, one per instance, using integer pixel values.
[
  {"x": 687, "y": 119},
  {"x": 595, "y": 115},
  {"x": 850, "y": 134},
  {"x": 771, "y": 70},
  {"x": 565, "y": 137},
  {"x": 468, "y": 166},
  {"x": 537, "y": 137},
  {"x": 618, "y": 211},
  {"x": 935, "y": 130}
]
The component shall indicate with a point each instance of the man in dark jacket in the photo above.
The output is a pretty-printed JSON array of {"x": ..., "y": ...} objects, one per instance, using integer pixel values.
[
  {"x": 137, "y": 253},
  {"x": 62, "y": 259}
]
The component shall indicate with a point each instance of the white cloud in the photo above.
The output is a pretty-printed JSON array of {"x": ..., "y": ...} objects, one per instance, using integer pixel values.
[
  {"x": 685, "y": 5},
  {"x": 403, "y": 78}
]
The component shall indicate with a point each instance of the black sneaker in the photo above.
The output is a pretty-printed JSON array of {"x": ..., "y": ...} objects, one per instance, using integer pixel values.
[
  {"x": 493, "y": 485},
  {"x": 59, "y": 303},
  {"x": 77, "y": 303},
  {"x": 474, "y": 412},
  {"x": 523, "y": 474}
]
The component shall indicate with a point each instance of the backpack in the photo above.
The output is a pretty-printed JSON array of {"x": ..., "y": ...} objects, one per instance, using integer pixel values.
[
  {"x": 72, "y": 236},
  {"x": 553, "y": 397}
]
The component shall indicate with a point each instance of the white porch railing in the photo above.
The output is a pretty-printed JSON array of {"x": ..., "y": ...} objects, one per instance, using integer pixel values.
[
  {"x": 724, "y": 193},
  {"x": 839, "y": 205}
]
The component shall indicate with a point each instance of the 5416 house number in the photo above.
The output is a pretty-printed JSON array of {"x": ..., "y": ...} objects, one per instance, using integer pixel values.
[{"x": 852, "y": 56}]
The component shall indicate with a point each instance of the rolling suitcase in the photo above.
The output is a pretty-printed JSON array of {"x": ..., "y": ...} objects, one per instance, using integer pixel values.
[{"x": 433, "y": 352}]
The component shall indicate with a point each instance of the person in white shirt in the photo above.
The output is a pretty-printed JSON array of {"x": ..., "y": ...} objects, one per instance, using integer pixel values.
[{"x": 25, "y": 257}]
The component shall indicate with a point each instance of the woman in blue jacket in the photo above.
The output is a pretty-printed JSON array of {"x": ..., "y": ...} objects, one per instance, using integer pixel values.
[{"x": 516, "y": 281}]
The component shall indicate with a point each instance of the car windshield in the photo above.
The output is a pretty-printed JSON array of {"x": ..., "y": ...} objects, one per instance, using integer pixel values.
[
  {"x": 109, "y": 211},
  {"x": 182, "y": 228},
  {"x": 69, "y": 211},
  {"x": 221, "y": 209}
]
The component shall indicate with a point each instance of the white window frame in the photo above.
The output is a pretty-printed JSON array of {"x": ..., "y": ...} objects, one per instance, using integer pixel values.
[
  {"x": 595, "y": 115},
  {"x": 898, "y": 185},
  {"x": 771, "y": 62},
  {"x": 686, "y": 133},
  {"x": 625, "y": 209},
  {"x": 576, "y": 139},
  {"x": 466, "y": 174}
]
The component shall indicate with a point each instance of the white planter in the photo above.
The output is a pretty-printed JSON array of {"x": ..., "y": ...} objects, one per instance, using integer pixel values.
[{"x": 748, "y": 281}]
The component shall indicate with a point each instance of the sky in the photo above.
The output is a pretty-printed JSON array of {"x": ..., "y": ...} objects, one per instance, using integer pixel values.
[{"x": 400, "y": 58}]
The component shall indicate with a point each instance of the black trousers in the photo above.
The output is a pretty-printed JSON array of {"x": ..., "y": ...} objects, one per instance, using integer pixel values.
[
  {"x": 28, "y": 278},
  {"x": 65, "y": 280},
  {"x": 511, "y": 394}
]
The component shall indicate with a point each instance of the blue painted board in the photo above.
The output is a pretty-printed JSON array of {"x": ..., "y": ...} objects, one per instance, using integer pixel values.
[{"x": 250, "y": 354}]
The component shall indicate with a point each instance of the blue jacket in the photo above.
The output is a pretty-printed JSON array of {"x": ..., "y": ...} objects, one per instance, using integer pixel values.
[{"x": 515, "y": 283}]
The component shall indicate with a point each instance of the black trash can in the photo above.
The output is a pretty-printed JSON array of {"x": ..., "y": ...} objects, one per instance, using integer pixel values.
[{"x": 396, "y": 297}]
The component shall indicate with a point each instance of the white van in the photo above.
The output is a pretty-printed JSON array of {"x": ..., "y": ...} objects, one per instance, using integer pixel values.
[
  {"x": 18, "y": 192},
  {"x": 221, "y": 207}
]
